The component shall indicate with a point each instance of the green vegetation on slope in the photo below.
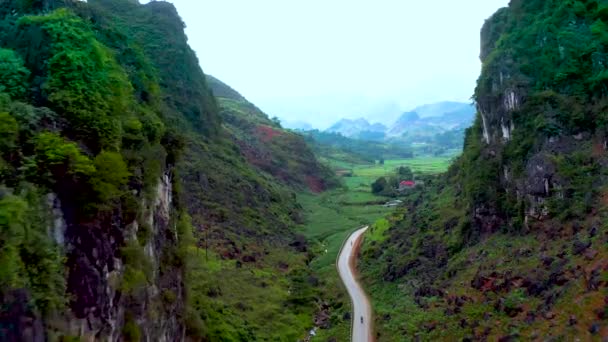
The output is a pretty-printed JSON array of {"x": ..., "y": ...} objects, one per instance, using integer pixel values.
[
  {"x": 280, "y": 153},
  {"x": 108, "y": 125},
  {"x": 426, "y": 280},
  {"x": 511, "y": 242},
  {"x": 237, "y": 185},
  {"x": 245, "y": 303},
  {"x": 76, "y": 141}
]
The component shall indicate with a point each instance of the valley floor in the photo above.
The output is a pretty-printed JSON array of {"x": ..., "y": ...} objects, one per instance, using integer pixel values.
[{"x": 331, "y": 217}]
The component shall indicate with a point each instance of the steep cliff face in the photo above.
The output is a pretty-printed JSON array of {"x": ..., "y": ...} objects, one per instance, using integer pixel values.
[
  {"x": 99, "y": 256},
  {"x": 541, "y": 98},
  {"x": 116, "y": 172},
  {"x": 511, "y": 242},
  {"x": 499, "y": 92},
  {"x": 89, "y": 217}
]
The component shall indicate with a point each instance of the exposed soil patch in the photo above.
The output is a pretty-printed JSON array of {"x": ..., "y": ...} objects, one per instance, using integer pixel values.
[
  {"x": 267, "y": 133},
  {"x": 315, "y": 184}
]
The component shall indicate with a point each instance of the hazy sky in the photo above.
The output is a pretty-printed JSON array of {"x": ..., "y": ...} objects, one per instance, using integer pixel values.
[{"x": 320, "y": 60}]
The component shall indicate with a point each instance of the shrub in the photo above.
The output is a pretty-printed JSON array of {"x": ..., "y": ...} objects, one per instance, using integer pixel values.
[
  {"x": 9, "y": 131},
  {"x": 513, "y": 301},
  {"x": 110, "y": 176},
  {"x": 169, "y": 296},
  {"x": 405, "y": 172},
  {"x": 56, "y": 157},
  {"x": 12, "y": 235},
  {"x": 133, "y": 255},
  {"x": 132, "y": 280},
  {"x": 379, "y": 185},
  {"x": 13, "y": 74},
  {"x": 153, "y": 128},
  {"x": 130, "y": 206},
  {"x": 84, "y": 81},
  {"x": 144, "y": 233},
  {"x": 28, "y": 256},
  {"x": 138, "y": 268},
  {"x": 131, "y": 331},
  {"x": 34, "y": 120}
]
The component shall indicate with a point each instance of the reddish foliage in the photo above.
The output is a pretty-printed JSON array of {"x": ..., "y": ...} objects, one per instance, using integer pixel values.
[
  {"x": 485, "y": 284},
  {"x": 598, "y": 149},
  {"x": 315, "y": 184},
  {"x": 488, "y": 285},
  {"x": 267, "y": 133},
  {"x": 604, "y": 198}
]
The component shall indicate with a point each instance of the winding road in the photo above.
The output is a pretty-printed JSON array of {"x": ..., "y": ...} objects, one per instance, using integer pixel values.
[{"x": 361, "y": 331}]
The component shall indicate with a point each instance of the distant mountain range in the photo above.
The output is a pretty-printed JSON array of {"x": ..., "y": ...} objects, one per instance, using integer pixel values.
[
  {"x": 425, "y": 120},
  {"x": 441, "y": 108},
  {"x": 456, "y": 118},
  {"x": 359, "y": 129}
]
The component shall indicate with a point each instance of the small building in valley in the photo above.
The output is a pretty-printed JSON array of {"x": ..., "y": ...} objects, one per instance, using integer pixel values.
[{"x": 407, "y": 184}]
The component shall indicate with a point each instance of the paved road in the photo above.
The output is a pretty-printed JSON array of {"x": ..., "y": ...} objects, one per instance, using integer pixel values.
[{"x": 361, "y": 332}]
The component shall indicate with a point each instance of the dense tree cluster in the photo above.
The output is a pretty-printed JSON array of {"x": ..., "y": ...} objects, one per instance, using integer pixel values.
[
  {"x": 101, "y": 102},
  {"x": 366, "y": 150}
]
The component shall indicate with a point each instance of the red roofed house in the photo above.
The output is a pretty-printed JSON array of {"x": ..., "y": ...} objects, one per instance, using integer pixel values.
[{"x": 406, "y": 184}]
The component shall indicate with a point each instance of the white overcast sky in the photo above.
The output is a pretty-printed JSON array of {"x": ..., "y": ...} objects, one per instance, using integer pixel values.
[{"x": 320, "y": 60}]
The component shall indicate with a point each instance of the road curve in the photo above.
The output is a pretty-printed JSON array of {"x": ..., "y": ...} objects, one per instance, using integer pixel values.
[{"x": 361, "y": 332}]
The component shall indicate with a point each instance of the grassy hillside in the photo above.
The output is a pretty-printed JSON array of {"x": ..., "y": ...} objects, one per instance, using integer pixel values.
[
  {"x": 238, "y": 189},
  {"x": 280, "y": 153},
  {"x": 164, "y": 223},
  {"x": 510, "y": 243}
]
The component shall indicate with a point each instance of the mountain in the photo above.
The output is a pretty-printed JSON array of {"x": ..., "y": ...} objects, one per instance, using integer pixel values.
[
  {"x": 409, "y": 122},
  {"x": 134, "y": 203},
  {"x": 439, "y": 129},
  {"x": 408, "y": 118},
  {"x": 510, "y": 244},
  {"x": 423, "y": 123},
  {"x": 457, "y": 116},
  {"x": 267, "y": 146},
  {"x": 322, "y": 110},
  {"x": 220, "y": 89},
  {"x": 441, "y": 108},
  {"x": 353, "y": 128}
]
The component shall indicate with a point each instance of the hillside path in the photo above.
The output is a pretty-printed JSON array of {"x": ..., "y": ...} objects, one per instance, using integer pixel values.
[{"x": 361, "y": 332}]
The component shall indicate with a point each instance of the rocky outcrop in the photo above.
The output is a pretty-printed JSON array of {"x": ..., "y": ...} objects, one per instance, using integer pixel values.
[
  {"x": 57, "y": 225},
  {"x": 19, "y": 321},
  {"x": 501, "y": 89},
  {"x": 99, "y": 306},
  {"x": 530, "y": 188},
  {"x": 526, "y": 114}
]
